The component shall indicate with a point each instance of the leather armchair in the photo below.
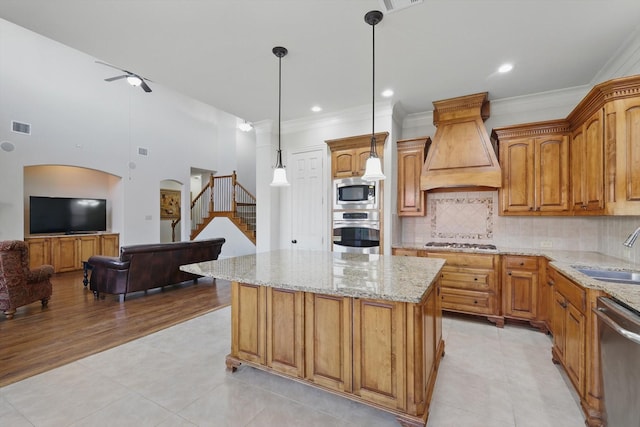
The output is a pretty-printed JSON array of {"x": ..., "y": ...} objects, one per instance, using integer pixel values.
[{"x": 20, "y": 285}]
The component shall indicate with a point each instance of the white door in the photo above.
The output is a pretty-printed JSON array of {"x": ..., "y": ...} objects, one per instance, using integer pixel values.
[{"x": 308, "y": 214}]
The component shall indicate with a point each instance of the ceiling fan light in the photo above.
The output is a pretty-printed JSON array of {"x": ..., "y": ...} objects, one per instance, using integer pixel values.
[
  {"x": 245, "y": 126},
  {"x": 279, "y": 178},
  {"x": 134, "y": 80}
]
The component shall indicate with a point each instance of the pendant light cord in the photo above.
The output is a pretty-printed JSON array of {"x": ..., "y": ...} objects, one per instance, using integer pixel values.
[{"x": 279, "y": 106}]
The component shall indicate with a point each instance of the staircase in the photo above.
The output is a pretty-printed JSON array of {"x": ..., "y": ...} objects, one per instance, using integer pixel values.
[{"x": 223, "y": 196}]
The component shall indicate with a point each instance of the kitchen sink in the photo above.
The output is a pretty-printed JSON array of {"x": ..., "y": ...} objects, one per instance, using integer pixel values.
[{"x": 614, "y": 276}]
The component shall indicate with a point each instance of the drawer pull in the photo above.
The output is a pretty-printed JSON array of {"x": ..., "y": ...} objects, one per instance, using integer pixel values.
[
  {"x": 522, "y": 263},
  {"x": 509, "y": 273},
  {"x": 475, "y": 301},
  {"x": 475, "y": 278}
]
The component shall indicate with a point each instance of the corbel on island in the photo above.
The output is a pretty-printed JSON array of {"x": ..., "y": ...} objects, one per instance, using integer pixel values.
[{"x": 366, "y": 327}]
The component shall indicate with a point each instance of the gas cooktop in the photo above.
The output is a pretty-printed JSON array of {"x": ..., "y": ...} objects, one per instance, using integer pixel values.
[{"x": 454, "y": 245}]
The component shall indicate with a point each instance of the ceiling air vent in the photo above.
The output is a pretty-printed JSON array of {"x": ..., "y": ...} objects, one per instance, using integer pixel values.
[
  {"x": 24, "y": 128},
  {"x": 389, "y": 6},
  {"x": 143, "y": 151}
]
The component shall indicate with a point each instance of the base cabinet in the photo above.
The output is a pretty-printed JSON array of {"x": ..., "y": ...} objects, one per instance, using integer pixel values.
[
  {"x": 470, "y": 284},
  {"x": 575, "y": 343},
  {"x": 378, "y": 352},
  {"x": 66, "y": 253},
  {"x": 520, "y": 287}
]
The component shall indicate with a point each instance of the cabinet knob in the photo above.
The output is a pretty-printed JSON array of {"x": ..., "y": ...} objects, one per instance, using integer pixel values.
[
  {"x": 521, "y": 264},
  {"x": 475, "y": 301},
  {"x": 294, "y": 241},
  {"x": 475, "y": 279},
  {"x": 509, "y": 273}
]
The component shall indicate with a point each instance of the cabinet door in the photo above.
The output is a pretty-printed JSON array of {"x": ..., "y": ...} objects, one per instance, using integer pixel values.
[
  {"x": 520, "y": 297},
  {"x": 411, "y": 155},
  {"x": 518, "y": 176},
  {"x": 379, "y": 350},
  {"x": 110, "y": 245},
  {"x": 558, "y": 321},
  {"x": 65, "y": 254},
  {"x": 88, "y": 246},
  {"x": 574, "y": 351},
  {"x": 285, "y": 331},
  {"x": 328, "y": 340},
  {"x": 552, "y": 174},
  {"x": 594, "y": 162},
  {"x": 39, "y": 251},
  {"x": 248, "y": 329},
  {"x": 587, "y": 166},
  {"x": 343, "y": 163}
]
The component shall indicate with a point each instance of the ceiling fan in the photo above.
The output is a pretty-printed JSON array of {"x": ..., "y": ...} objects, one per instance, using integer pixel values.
[{"x": 132, "y": 78}]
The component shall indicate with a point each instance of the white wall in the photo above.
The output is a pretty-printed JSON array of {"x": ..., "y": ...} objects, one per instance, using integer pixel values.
[{"x": 78, "y": 119}]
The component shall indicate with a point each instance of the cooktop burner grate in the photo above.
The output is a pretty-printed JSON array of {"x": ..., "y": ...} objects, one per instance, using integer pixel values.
[{"x": 483, "y": 246}]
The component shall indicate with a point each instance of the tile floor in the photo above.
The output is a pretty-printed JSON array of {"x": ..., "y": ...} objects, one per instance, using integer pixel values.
[{"x": 176, "y": 377}]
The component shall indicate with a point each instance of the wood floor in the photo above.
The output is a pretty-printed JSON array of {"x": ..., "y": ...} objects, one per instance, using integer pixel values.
[{"x": 75, "y": 324}]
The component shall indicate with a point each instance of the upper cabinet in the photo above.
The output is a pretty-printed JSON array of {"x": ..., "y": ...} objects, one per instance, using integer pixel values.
[
  {"x": 603, "y": 134},
  {"x": 535, "y": 168},
  {"x": 412, "y": 200},
  {"x": 587, "y": 166},
  {"x": 622, "y": 155},
  {"x": 349, "y": 155}
]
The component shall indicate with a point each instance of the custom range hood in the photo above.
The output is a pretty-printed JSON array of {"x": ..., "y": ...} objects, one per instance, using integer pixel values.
[{"x": 461, "y": 154}]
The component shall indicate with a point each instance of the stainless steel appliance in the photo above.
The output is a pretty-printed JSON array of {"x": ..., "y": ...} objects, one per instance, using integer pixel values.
[
  {"x": 619, "y": 330},
  {"x": 355, "y": 193},
  {"x": 356, "y": 232}
]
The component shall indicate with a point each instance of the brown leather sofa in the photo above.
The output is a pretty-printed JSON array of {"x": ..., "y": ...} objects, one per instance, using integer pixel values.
[{"x": 142, "y": 267}]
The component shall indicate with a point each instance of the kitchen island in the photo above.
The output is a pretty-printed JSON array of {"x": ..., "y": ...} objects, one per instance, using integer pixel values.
[{"x": 366, "y": 327}]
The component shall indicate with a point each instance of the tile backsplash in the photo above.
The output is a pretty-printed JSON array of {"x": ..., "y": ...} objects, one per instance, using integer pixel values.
[{"x": 473, "y": 217}]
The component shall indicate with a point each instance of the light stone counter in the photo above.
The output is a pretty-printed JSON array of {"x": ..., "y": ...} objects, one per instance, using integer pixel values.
[
  {"x": 390, "y": 278},
  {"x": 565, "y": 261}
]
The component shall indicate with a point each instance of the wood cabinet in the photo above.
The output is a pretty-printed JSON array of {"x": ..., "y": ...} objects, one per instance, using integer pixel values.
[
  {"x": 469, "y": 284},
  {"x": 405, "y": 252},
  {"x": 587, "y": 166},
  {"x": 66, "y": 253},
  {"x": 622, "y": 154},
  {"x": 349, "y": 155},
  {"x": 569, "y": 308},
  {"x": 328, "y": 338},
  {"x": 545, "y": 295},
  {"x": 412, "y": 201},
  {"x": 535, "y": 168},
  {"x": 576, "y": 343},
  {"x": 377, "y": 352},
  {"x": 520, "y": 287}
]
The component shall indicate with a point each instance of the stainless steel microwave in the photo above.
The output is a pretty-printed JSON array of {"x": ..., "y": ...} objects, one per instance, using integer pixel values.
[{"x": 355, "y": 193}]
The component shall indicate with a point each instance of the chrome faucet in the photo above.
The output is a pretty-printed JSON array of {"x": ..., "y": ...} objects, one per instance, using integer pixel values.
[{"x": 632, "y": 238}]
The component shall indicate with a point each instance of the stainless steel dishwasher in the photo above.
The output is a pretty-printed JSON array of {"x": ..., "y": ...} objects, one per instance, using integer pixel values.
[{"x": 619, "y": 328}]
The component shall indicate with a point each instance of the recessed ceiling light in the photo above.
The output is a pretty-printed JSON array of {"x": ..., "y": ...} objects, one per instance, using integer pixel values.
[
  {"x": 505, "y": 68},
  {"x": 387, "y": 93},
  {"x": 316, "y": 108}
]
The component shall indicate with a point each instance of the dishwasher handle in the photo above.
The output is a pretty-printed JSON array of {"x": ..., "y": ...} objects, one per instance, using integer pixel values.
[{"x": 601, "y": 312}]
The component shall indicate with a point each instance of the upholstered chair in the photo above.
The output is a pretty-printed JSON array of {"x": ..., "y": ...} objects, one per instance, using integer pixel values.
[{"x": 20, "y": 285}]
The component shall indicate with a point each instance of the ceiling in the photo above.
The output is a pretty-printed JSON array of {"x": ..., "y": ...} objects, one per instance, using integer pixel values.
[{"x": 219, "y": 51}]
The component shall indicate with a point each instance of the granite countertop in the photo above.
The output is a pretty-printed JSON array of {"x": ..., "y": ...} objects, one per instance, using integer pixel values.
[
  {"x": 404, "y": 279},
  {"x": 565, "y": 261}
]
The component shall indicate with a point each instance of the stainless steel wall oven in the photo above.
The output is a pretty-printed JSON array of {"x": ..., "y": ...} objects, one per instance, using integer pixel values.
[{"x": 356, "y": 232}]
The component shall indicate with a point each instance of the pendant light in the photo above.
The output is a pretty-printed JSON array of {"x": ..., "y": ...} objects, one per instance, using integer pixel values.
[
  {"x": 373, "y": 167},
  {"x": 279, "y": 174}
]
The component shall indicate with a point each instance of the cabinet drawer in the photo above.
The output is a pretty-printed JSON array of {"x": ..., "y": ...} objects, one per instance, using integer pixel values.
[
  {"x": 468, "y": 278},
  {"x": 468, "y": 301},
  {"x": 405, "y": 252},
  {"x": 520, "y": 262},
  {"x": 576, "y": 295},
  {"x": 466, "y": 260}
]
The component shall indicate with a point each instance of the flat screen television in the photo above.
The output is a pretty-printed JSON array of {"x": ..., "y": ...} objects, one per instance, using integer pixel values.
[{"x": 66, "y": 215}]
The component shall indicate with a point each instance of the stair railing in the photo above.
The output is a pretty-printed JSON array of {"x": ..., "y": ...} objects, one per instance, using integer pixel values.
[{"x": 222, "y": 196}]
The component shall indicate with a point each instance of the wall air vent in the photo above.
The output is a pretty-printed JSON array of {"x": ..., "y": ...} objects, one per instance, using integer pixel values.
[
  {"x": 389, "y": 6},
  {"x": 18, "y": 127},
  {"x": 143, "y": 151}
]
